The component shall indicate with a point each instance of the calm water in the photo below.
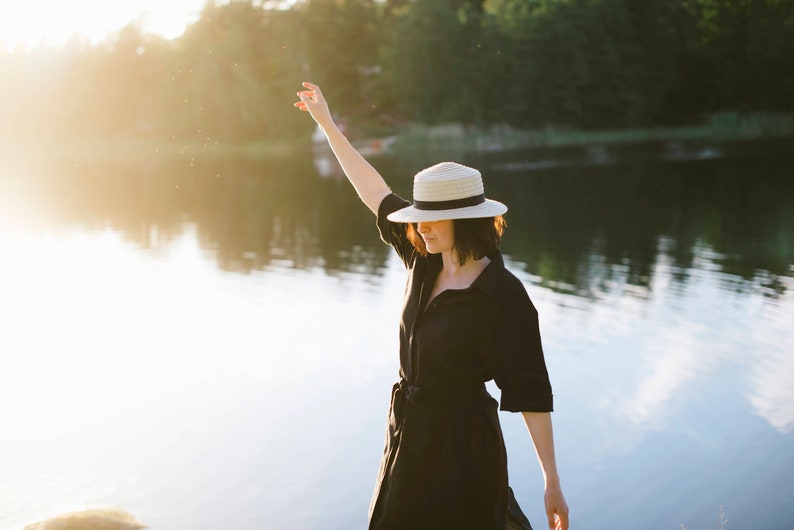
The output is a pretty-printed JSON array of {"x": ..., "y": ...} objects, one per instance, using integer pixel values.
[{"x": 211, "y": 344}]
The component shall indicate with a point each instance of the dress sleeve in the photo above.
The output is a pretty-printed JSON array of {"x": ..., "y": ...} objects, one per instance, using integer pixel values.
[
  {"x": 515, "y": 356},
  {"x": 395, "y": 233}
]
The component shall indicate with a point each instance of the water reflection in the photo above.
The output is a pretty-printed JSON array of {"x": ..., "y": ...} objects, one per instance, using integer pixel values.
[
  {"x": 587, "y": 233},
  {"x": 196, "y": 299},
  {"x": 589, "y": 229}
]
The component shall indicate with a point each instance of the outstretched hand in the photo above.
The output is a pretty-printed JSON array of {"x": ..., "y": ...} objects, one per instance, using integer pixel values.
[{"x": 313, "y": 102}]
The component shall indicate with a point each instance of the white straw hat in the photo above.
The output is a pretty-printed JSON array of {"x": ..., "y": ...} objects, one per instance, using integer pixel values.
[{"x": 448, "y": 191}]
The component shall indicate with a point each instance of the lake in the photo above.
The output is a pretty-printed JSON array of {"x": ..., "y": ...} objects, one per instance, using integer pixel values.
[{"x": 211, "y": 343}]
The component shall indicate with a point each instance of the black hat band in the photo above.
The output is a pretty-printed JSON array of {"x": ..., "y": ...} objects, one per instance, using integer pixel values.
[{"x": 450, "y": 205}]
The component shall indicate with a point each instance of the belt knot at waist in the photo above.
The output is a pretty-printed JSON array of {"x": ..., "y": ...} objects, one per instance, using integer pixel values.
[{"x": 423, "y": 395}]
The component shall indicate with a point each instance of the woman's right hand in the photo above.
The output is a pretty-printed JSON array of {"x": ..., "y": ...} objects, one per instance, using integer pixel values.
[
  {"x": 313, "y": 102},
  {"x": 365, "y": 178}
]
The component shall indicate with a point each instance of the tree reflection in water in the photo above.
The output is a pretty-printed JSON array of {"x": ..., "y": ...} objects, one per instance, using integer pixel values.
[
  {"x": 665, "y": 290},
  {"x": 580, "y": 230}
]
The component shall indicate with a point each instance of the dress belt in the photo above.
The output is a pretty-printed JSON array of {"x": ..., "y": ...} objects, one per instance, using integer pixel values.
[
  {"x": 419, "y": 395},
  {"x": 411, "y": 392}
]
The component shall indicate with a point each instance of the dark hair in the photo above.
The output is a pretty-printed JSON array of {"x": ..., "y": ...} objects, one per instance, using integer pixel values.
[{"x": 474, "y": 238}]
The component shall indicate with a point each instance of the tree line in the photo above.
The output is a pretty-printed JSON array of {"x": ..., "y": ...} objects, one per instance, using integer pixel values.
[{"x": 232, "y": 76}]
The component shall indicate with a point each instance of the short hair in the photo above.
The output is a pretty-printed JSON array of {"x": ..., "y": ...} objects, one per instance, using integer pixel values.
[{"x": 474, "y": 238}]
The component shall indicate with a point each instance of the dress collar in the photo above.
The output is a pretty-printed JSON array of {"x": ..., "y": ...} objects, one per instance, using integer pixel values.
[{"x": 487, "y": 279}]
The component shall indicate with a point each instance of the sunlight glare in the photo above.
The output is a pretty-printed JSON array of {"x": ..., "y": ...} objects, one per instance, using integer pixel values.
[{"x": 53, "y": 23}]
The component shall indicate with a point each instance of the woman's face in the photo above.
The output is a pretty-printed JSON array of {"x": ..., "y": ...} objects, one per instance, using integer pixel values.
[{"x": 439, "y": 236}]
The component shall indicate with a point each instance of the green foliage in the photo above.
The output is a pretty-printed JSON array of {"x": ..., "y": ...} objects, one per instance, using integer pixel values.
[
  {"x": 341, "y": 50},
  {"x": 746, "y": 49},
  {"x": 529, "y": 64}
]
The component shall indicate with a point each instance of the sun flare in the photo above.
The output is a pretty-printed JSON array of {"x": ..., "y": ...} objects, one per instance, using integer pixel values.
[{"x": 53, "y": 23}]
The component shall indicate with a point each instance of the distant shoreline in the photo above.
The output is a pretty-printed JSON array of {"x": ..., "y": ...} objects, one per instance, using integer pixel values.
[
  {"x": 726, "y": 127},
  {"x": 408, "y": 139}
]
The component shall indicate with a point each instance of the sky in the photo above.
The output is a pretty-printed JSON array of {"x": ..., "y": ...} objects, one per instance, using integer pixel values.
[{"x": 54, "y": 22}]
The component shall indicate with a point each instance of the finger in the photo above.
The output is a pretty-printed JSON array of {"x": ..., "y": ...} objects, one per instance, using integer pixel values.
[
  {"x": 564, "y": 521},
  {"x": 306, "y": 94},
  {"x": 552, "y": 521},
  {"x": 316, "y": 92}
]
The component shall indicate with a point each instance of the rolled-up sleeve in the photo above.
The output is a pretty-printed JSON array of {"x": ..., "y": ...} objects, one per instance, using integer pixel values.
[
  {"x": 392, "y": 233},
  {"x": 515, "y": 354}
]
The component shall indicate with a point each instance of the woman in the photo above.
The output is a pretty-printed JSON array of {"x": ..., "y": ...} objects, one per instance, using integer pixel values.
[{"x": 466, "y": 320}]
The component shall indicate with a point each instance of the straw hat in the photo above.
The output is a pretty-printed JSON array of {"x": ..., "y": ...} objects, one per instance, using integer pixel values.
[{"x": 448, "y": 191}]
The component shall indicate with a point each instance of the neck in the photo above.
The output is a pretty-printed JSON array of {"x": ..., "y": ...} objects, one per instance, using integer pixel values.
[
  {"x": 451, "y": 266},
  {"x": 449, "y": 259}
]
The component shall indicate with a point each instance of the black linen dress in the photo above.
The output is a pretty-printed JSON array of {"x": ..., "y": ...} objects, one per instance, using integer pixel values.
[{"x": 444, "y": 464}]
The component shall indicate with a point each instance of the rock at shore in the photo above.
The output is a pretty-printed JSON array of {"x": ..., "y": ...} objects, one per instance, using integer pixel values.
[{"x": 90, "y": 520}]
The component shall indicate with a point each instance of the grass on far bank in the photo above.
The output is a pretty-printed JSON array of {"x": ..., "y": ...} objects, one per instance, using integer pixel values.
[
  {"x": 129, "y": 148},
  {"x": 723, "y": 127}
]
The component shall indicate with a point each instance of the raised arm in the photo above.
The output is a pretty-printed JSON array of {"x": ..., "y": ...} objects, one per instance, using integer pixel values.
[
  {"x": 369, "y": 185},
  {"x": 539, "y": 426}
]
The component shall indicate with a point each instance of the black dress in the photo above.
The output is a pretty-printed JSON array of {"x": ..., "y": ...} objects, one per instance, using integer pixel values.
[{"x": 444, "y": 465}]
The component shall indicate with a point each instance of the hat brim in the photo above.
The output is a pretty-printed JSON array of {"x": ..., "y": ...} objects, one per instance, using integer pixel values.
[{"x": 412, "y": 214}]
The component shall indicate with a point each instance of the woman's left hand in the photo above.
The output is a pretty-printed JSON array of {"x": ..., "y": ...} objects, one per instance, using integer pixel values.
[{"x": 556, "y": 507}]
